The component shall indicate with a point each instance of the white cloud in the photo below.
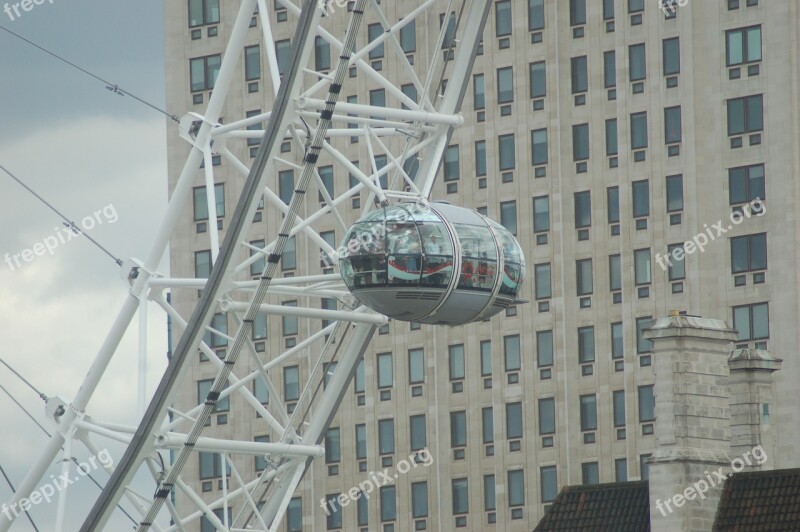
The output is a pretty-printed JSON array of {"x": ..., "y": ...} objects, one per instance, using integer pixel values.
[{"x": 57, "y": 310}]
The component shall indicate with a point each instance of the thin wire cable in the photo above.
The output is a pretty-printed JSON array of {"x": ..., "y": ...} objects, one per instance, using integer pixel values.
[
  {"x": 113, "y": 87},
  {"x": 75, "y": 460},
  {"x": 23, "y": 379},
  {"x": 67, "y": 222},
  {"x": 8, "y": 480}
]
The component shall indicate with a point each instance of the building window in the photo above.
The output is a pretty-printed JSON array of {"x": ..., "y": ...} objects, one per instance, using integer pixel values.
[
  {"x": 259, "y": 330},
  {"x": 456, "y": 355},
  {"x": 544, "y": 348},
  {"x": 511, "y": 352},
  {"x": 621, "y": 470},
  {"x": 749, "y": 253},
  {"x": 743, "y": 45},
  {"x": 608, "y": 9},
  {"x": 643, "y": 345},
  {"x": 635, "y": 6},
  {"x": 583, "y": 274},
  {"x": 202, "y": 264},
  {"x": 203, "y": 12},
  {"x": 289, "y": 323},
  {"x": 260, "y": 390},
  {"x": 535, "y": 15},
  {"x": 614, "y": 272},
  {"x": 541, "y": 214},
  {"x": 507, "y": 152},
  {"x": 745, "y": 115},
  {"x": 416, "y": 366},
  {"x": 588, "y": 412},
  {"x": 641, "y": 198},
  {"x": 547, "y": 416},
  {"x": 359, "y": 382},
  {"x": 333, "y": 520},
  {"x": 585, "y": 344},
  {"x": 363, "y": 511},
  {"x": 289, "y": 256},
  {"x": 671, "y": 56},
  {"x": 283, "y": 50},
  {"x": 580, "y": 142},
  {"x": 514, "y": 421},
  {"x": 590, "y": 473},
  {"x": 291, "y": 383},
  {"x": 752, "y": 321},
  {"x": 326, "y": 176},
  {"x": 746, "y": 183},
  {"x": 612, "y": 199},
  {"x": 677, "y": 267},
  {"x": 460, "y": 496},
  {"x": 641, "y": 262},
  {"x": 611, "y": 137},
  {"x": 204, "y": 72},
  {"x": 508, "y": 216},
  {"x": 252, "y": 62},
  {"x": 502, "y": 17},
  {"x": 619, "y": 408},
  {"x": 294, "y": 515},
  {"x": 583, "y": 209},
  {"x": 386, "y": 436},
  {"x": 577, "y": 12},
  {"x": 486, "y": 358},
  {"x": 505, "y": 85},
  {"x": 219, "y": 338},
  {"x": 538, "y": 79},
  {"x": 478, "y": 92},
  {"x": 203, "y": 389},
  {"x": 419, "y": 499},
  {"x": 361, "y": 441},
  {"x": 385, "y": 370},
  {"x": 609, "y": 69},
  {"x": 487, "y": 418},
  {"x": 516, "y": 488},
  {"x": 480, "y": 158},
  {"x": 647, "y": 404},
  {"x": 543, "y": 281},
  {"x": 211, "y": 466},
  {"x": 644, "y": 466},
  {"x": 201, "y": 202},
  {"x": 674, "y": 193},
  {"x": 539, "y": 146},
  {"x": 333, "y": 447},
  {"x": 458, "y": 429},
  {"x": 672, "y": 124},
  {"x": 580, "y": 76},
  {"x": 639, "y": 130},
  {"x": 451, "y": 167},
  {"x": 418, "y": 432},
  {"x": 450, "y": 33},
  {"x": 548, "y": 480},
  {"x": 408, "y": 37},
  {"x": 489, "y": 497},
  {"x": 637, "y": 62},
  {"x": 388, "y": 496},
  {"x": 373, "y": 32},
  {"x": 286, "y": 185}
]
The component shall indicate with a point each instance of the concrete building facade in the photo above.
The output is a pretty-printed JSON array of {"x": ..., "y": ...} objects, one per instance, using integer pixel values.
[{"x": 605, "y": 135}]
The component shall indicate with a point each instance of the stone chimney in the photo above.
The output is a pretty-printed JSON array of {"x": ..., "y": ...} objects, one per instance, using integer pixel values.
[
  {"x": 751, "y": 405},
  {"x": 692, "y": 426}
]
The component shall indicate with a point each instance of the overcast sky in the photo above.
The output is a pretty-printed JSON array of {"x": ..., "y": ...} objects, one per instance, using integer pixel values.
[{"x": 84, "y": 149}]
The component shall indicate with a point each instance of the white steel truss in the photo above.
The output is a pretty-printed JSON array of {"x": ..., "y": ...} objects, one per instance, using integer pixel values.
[{"x": 413, "y": 135}]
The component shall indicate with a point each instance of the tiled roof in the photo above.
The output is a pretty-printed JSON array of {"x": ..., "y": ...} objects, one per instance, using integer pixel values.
[
  {"x": 600, "y": 507},
  {"x": 760, "y": 501}
]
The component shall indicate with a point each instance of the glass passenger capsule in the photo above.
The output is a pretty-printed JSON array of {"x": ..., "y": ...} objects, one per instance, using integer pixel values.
[{"x": 432, "y": 263}]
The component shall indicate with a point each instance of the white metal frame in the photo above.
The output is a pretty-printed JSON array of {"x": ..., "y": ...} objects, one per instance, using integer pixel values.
[{"x": 421, "y": 130}]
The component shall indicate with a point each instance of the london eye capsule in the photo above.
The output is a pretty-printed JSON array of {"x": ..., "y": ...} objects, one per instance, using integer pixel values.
[{"x": 432, "y": 263}]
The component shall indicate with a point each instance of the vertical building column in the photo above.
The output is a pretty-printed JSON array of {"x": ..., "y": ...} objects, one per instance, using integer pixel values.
[
  {"x": 751, "y": 404},
  {"x": 692, "y": 425}
]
